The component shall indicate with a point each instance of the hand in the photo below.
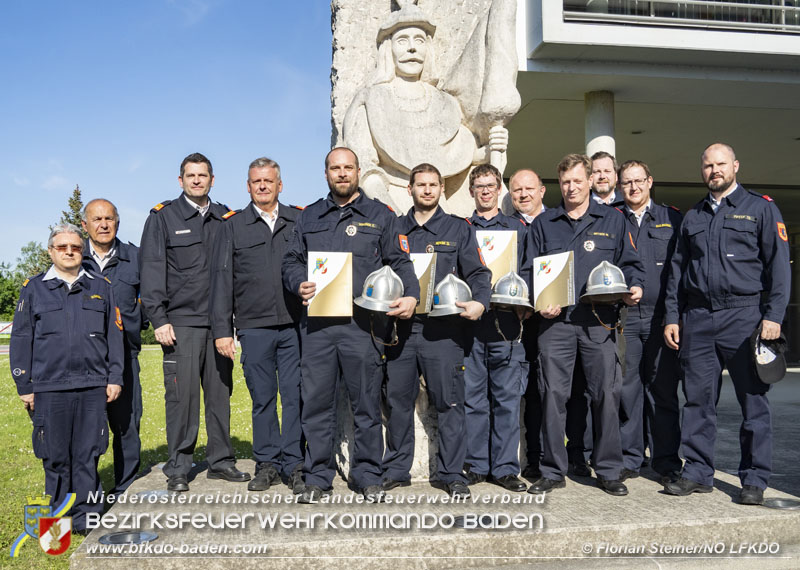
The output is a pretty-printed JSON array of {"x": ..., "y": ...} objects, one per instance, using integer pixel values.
[
  {"x": 472, "y": 309},
  {"x": 634, "y": 296},
  {"x": 165, "y": 335},
  {"x": 226, "y": 347},
  {"x": 403, "y": 307},
  {"x": 27, "y": 401},
  {"x": 112, "y": 392},
  {"x": 551, "y": 312},
  {"x": 672, "y": 336},
  {"x": 307, "y": 290},
  {"x": 770, "y": 330}
]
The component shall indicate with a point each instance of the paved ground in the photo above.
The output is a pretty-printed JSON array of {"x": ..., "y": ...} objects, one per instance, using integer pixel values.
[{"x": 579, "y": 526}]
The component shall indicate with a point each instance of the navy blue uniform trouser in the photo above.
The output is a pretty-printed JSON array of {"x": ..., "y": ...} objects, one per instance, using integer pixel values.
[
  {"x": 559, "y": 344},
  {"x": 579, "y": 430},
  {"x": 334, "y": 348},
  {"x": 194, "y": 361},
  {"x": 650, "y": 393},
  {"x": 496, "y": 376},
  {"x": 426, "y": 348},
  {"x": 271, "y": 363},
  {"x": 533, "y": 400},
  {"x": 709, "y": 341},
  {"x": 124, "y": 416},
  {"x": 70, "y": 433}
]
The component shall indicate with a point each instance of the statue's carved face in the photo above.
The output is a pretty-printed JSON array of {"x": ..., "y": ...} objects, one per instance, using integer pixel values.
[{"x": 409, "y": 49}]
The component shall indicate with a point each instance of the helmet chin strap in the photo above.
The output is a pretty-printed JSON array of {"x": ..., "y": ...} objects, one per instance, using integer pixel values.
[
  {"x": 521, "y": 328},
  {"x": 618, "y": 326},
  {"x": 395, "y": 340}
]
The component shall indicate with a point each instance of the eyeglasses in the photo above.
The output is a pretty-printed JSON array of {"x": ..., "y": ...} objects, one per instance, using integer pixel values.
[
  {"x": 489, "y": 187},
  {"x": 67, "y": 248},
  {"x": 638, "y": 182}
]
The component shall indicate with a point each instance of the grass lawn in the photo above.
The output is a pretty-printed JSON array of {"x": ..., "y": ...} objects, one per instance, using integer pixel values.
[{"x": 22, "y": 475}]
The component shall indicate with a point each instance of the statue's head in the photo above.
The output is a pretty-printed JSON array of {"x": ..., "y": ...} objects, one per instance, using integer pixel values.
[{"x": 405, "y": 45}]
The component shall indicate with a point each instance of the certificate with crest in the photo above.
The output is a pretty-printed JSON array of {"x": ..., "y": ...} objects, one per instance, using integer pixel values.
[
  {"x": 332, "y": 271},
  {"x": 425, "y": 270},
  {"x": 554, "y": 280},
  {"x": 499, "y": 251}
]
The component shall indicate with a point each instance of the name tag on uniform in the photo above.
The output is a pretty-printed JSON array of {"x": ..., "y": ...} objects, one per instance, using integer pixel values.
[{"x": 178, "y": 232}]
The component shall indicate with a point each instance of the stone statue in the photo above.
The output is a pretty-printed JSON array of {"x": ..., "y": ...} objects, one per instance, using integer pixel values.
[{"x": 407, "y": 115}]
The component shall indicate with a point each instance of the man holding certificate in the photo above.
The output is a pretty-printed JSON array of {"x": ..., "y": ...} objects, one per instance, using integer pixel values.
[
  {"x": 593, "y": 233},
  {"x": 351, "y": 343},
  {"x": 496, "y": 372},
  {"x": 433, "y": 346}
]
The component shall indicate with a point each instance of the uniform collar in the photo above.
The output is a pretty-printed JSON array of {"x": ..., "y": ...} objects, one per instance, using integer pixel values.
[
  {"x": 359, "y": 204},
  {"x": 498, "y": 219},
  {"x": 56, "y": 281},
  {"x": 433, "y": 224},
  {"x": 596, "y": 209},
  {"x": 733, "y": 198}
]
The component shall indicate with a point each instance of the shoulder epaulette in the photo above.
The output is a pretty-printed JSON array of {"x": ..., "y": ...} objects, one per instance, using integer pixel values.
[
  {"x": 160, "y": 206},
  {"x": 523, "y": 222},
  {"x": 297, "y": 207},
  {"x": 767, "y": 198},
  {"x": 672, "y": 207},
  {"x": 230, "y": 214},
  {"x": 390, "y": 208},
  {"x": 25, "y": 283},
  {"x": 107, "y": 279},
  {"x": 618, "y": 210},
  {"x": 467, "y": 220}
]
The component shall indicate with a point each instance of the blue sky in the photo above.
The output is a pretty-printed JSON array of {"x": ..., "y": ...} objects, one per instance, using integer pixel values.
[{"x": 112, "y": 95}]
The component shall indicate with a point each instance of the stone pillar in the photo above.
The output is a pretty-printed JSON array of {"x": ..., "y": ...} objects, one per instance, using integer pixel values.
[{"x": 599, "y": 122}]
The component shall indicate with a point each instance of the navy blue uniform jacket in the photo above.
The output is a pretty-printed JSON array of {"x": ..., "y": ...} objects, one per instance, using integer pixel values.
[
  {"x": 123, "y": 272},
  {"x": 601, "y": 234},
  {"x": 731, "y": 258},
  {"x": 322, "y": 226},
  {"x": 65, "y": 339},
  {"x": 453, "y": 241},
  {"x": 246, "y": 280}
]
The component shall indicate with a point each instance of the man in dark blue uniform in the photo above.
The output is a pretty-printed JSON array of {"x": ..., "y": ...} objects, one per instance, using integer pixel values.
[
  {"x": 650, "y": 382},
  {"x": 496, "y": 372},
  {"x": 247, "y": 294},
  {"x": 526, "y": 191},
  {"x": 433, "y": 346},
  {"x": 176, "y": 275},
  {"x": 604, "y": 179},
  {"x": 594, "y": 233},
  {"x": 350, "y": 347},
  {"x": 119, "y": 262},
  {"x": 66, "y": 358},
  {"x": 729, "y": 276}
]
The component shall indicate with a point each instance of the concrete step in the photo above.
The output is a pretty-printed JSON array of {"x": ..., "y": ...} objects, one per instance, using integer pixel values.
[{"x": 578, "y": 525}]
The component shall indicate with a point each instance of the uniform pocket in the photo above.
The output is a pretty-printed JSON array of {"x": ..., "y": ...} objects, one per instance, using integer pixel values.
[
  {"x": 249, "y": 255},
  {"x": 185, "y": 251},
  {"x": 39, "y": 441},
  {"x": 94, "y": 315},
  {"x": 367, "y": 241},
  {"x": 660, "y": 243},
  {"x": 454, "y": 390},
  {"x": 49, "y": 318},
  {"x": 740, "y": 236},
  {"x": 171, "y": 381}
]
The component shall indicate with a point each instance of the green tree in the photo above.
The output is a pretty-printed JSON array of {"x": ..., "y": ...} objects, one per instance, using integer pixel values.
[
  {"x": 33, "y": 259},
  {"x": 72, "y": 215},
  {"x": 10, "y": 283}
]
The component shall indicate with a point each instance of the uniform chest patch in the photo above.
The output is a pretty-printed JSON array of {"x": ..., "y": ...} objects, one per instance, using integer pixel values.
[
  {"x": 351, "y": 230},
  {"x": 588, "y": 245},
  {"x": 429, "y": 248}
]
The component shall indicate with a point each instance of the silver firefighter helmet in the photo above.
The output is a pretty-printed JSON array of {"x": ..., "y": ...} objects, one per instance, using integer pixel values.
[
  {"x": 447, "y": 293},
  {"x": 510, "y": 291},
  {"x": 381, "y": 288},
  {"x": 606, "y": 284}
]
